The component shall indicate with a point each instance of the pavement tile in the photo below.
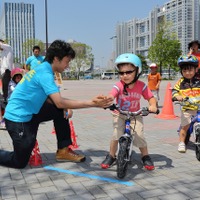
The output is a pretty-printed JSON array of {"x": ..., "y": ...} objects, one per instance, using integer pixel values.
[
  {"x": 152, "y": 193},
  {"x": 176, "y": 176},
  {"x": 7, "y": 192}
]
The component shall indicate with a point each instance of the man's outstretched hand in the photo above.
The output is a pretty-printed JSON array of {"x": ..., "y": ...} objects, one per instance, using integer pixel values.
[{"x": 102, "y": 101}]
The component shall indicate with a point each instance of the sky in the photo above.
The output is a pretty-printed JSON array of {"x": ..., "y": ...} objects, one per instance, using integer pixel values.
[{"x": 91, "y": 22}]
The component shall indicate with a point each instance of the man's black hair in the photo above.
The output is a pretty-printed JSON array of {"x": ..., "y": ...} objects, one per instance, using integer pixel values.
[
  {"x": 59, "y": 49},
  {"x": 36, "y": 47}
]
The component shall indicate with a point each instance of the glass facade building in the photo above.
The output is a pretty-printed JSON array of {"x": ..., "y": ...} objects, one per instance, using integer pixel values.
[
  {"x": 137, "y": 35},
  {"x": 17, "y": 22}
]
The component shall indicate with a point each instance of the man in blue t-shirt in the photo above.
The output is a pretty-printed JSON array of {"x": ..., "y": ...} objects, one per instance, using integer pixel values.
[
  {"x": 37, "y": 99},
  {"x": 34, "y": 60}
]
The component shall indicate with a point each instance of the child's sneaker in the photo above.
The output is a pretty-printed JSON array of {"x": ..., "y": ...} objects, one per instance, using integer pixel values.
[
  {"x": 108, "y": 162},
  {"x": 181, "y": 147},
  {"x": 147, "y": 162}
]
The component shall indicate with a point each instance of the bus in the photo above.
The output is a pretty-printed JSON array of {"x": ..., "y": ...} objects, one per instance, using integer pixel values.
[{"x": 109, "y": 75}]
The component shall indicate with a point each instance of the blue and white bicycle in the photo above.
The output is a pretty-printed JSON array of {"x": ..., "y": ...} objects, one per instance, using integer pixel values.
[
  {"x": 125, "y": 142},
  {"x": 194, "y": 126}
]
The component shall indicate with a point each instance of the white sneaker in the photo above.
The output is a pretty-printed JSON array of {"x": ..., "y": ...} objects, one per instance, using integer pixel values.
[{"x": 181, "y": 147}]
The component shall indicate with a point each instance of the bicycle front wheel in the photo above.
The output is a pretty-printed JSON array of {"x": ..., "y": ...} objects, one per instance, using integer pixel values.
[
  {"x": 197, "y": 147},
  {"x": 122, "y": 158},
  {"x": 187, "y": 138}
]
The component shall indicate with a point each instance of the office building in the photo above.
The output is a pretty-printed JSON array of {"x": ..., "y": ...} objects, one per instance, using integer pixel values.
[
  {"x": 137, "y": 35},
  {"x": 17, "y": 22}
]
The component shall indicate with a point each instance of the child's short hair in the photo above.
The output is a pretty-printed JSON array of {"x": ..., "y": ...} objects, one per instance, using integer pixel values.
[{"x": 187, "y": 67}]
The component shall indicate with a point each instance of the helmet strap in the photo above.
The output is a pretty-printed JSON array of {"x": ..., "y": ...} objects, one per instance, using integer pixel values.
[{"x": 133, "y": 81}]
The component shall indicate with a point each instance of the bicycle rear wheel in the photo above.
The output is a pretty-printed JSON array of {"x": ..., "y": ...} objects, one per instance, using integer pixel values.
[{"x": 122, "y": 158}]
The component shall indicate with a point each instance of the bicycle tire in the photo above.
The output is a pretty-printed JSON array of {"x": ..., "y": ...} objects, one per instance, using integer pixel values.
[
  {"x": 197, "y": 147},
  {"x": 122, "y": 159},
  {"x": 187, "y": 138}
]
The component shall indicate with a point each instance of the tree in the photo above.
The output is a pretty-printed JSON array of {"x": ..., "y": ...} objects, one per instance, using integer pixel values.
[
  {"x": 84, "y": 58},
  {"x": 144, "y": 62},
  {"x": 28, "y": 46},
  {"x": 165, "y": 48},
  {"x": 173, "y": 54}
]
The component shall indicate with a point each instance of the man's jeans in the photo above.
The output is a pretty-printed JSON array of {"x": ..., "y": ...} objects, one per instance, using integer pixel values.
[{"x": 24, "y": 135}]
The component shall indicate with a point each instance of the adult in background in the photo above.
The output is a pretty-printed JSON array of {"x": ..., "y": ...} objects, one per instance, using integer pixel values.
[
  {"x": 37, "y": 99},
  {"x": 193, "y": 48},
  {"x": 34, "y": 60},
  {"x": 6, "y": 65}
]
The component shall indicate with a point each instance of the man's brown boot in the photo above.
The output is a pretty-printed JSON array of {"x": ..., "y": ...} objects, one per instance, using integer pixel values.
[{"x": 68, "y": 155}]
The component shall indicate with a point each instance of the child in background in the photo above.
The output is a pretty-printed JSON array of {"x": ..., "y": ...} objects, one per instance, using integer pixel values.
[
  {"x": 187, "y": 86},
  {"x": 128, "y": 92},
  {"x": 154, "y": 79},
  {"x": 16, "y": 76}
]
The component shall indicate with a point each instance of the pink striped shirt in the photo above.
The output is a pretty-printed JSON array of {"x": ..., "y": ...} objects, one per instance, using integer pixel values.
[{"x": 130, "y": 102}]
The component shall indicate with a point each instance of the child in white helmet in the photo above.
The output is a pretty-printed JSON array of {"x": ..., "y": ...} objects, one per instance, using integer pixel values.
[
  {"x": 128, "y": 92},
  {"x": 154, "y": 79}
]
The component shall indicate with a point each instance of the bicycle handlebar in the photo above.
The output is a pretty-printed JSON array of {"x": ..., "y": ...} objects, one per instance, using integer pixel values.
[
  {"x": 185, "y": 102},
  {"x": 144, "y": 111}
]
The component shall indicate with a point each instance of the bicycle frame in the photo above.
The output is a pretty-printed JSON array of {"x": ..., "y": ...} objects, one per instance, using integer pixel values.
[
  {"x": 195, "y": 124},
  {"x": 195, "y": 120},
  {"x": 127, "y": 131},
  {"x": 127, "y": 136}
]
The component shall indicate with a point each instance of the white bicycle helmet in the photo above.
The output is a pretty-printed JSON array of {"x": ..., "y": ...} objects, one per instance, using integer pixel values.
[{"x": 153, "y": 65}]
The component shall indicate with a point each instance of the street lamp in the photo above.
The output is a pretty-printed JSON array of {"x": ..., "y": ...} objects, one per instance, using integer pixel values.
[
  {"x": 46, "y": 23},
  {"x": 113, "y": 51},
  {"x": 113, "y": 37},
  {"x": 113, "y": 44}
]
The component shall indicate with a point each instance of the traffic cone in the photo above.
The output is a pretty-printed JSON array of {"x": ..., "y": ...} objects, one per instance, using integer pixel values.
[
  {"x": 53, "y": 131},
  {"x": 35, "y": 158},
  {"x": 73, "y": 136},
  {"x": 168, "y": 108}
]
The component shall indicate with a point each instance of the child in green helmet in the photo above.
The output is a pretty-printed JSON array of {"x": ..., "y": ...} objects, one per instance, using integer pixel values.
[{"x": 187, "y": 86}]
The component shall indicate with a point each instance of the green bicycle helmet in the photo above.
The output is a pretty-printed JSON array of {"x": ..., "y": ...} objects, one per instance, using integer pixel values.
[{"x": 188, "y": 60}]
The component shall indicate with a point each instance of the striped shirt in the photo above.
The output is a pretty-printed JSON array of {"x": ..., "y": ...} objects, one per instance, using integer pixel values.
[{"x": 188, "y": 88}]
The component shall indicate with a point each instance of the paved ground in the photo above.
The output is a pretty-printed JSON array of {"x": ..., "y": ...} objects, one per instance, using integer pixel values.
[{"x": 176, "y": 176}]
